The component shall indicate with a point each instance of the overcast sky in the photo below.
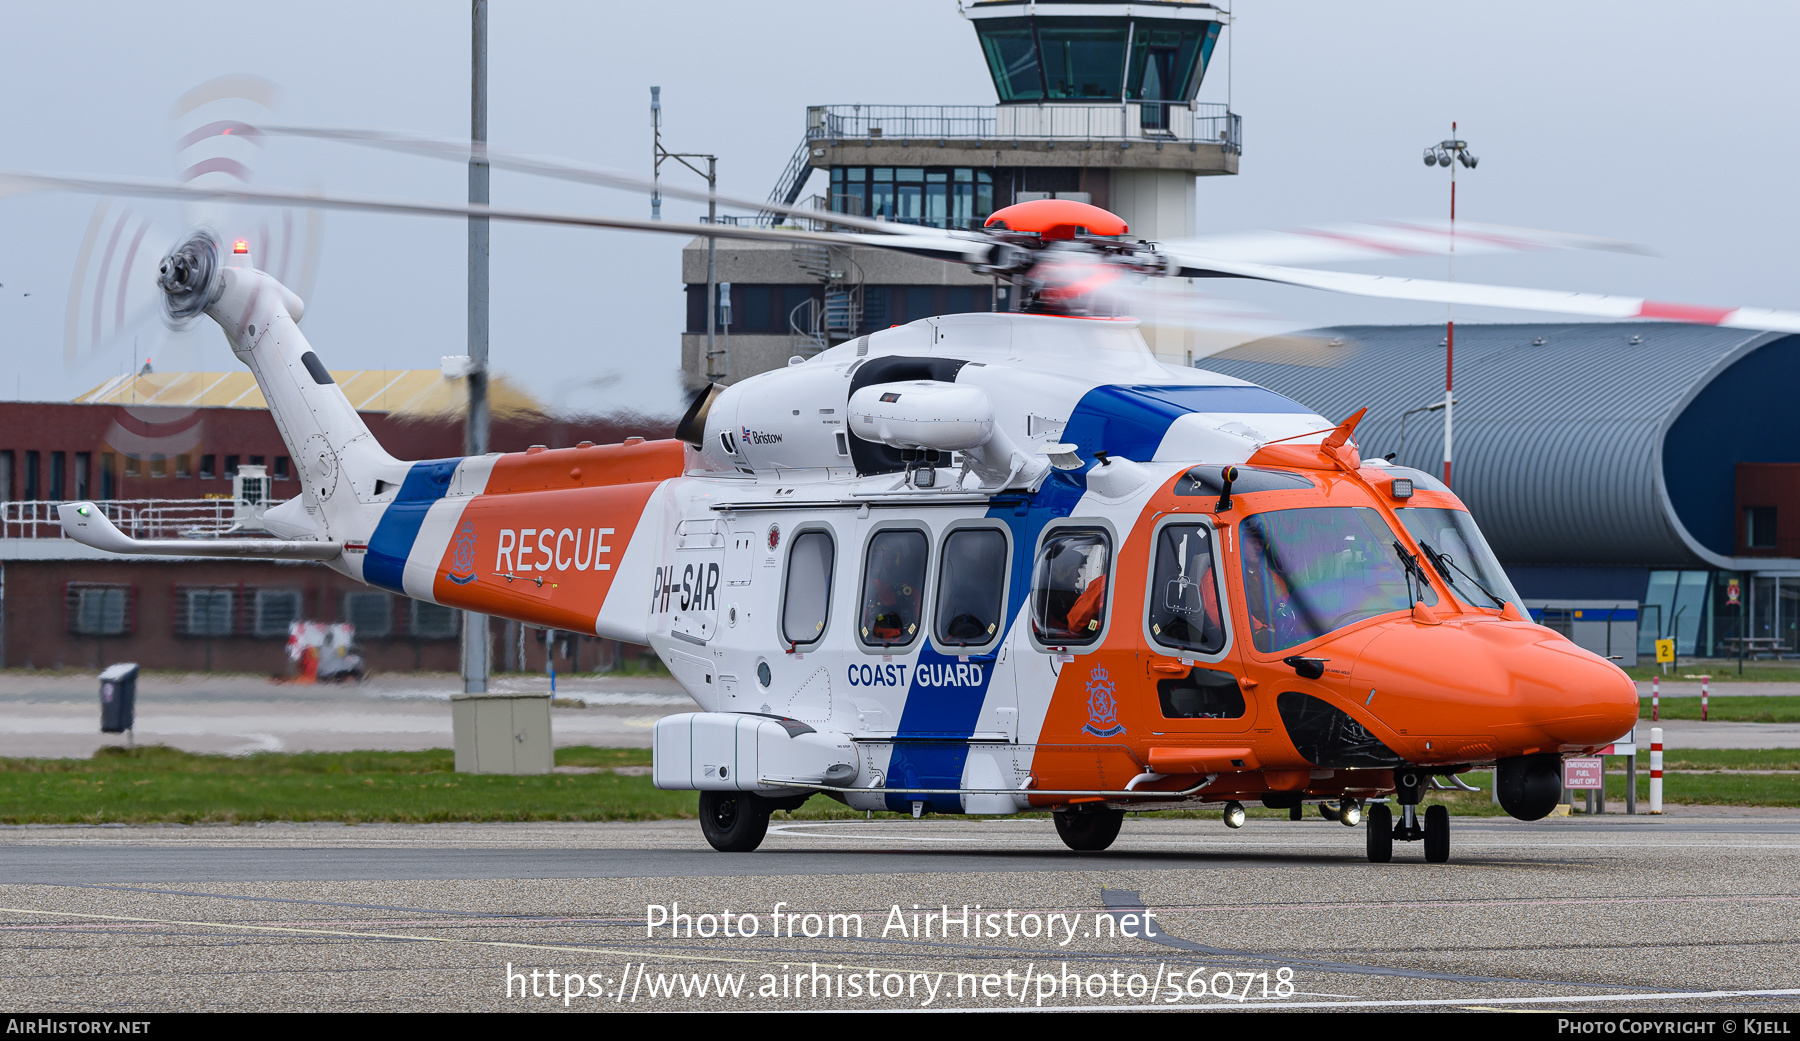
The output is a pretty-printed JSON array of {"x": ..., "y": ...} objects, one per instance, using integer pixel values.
[{"x": 1660, "y": 123}]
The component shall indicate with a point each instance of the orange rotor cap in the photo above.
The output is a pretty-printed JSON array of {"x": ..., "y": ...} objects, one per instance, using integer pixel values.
[{"x": 1057, "y": 219}]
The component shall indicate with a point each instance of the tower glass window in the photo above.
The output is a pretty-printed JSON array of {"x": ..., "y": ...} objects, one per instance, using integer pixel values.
[{"x": 935, "y": 196}]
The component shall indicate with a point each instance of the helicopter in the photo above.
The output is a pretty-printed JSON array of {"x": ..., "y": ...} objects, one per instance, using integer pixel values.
[{"x": 987, "y": 563}]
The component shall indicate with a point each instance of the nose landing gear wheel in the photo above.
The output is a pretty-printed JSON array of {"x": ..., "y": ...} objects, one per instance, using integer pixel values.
[
  {"x": 1089, "y": 831},
  {"x": 1437, "y": 835},
  {"x": 1380, "y": 833},
  {"x": 733, "y": 822}
]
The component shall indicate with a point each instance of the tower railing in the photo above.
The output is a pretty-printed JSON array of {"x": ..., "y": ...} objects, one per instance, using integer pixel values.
[{"x": 1159, "y": 122}]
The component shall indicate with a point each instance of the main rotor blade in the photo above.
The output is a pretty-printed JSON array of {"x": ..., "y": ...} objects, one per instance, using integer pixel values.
[
  {"x": 1386, "y": 240},
  {"x": 1594, "y": 305},
  {"x": 940, "y": 245},
  {"x": 566, "y": 170}
]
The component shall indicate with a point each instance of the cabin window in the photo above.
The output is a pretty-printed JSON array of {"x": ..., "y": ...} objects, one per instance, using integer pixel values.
[
  {"x": 1201, "y": 694},
  {"x": 1309, "y": 572},
  {"x": 971, "y": 598},
  {"x": 893, "y": 596},
  {"x": 806, "y": 605},
  {"x": 1068, "y": 603},
  {"x": 1184, "y": 593}
]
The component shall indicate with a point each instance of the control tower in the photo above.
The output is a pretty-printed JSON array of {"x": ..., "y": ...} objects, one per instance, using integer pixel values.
[{"x": 1096, "y": 103}]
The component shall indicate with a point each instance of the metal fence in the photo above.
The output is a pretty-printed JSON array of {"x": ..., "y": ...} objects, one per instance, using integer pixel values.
[
  {"x": 1149, "y": 121},
  {"x": 138, "y": 518}
]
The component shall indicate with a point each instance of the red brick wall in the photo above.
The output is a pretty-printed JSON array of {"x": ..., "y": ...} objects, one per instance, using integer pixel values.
[{"x": 47, "y": 427}]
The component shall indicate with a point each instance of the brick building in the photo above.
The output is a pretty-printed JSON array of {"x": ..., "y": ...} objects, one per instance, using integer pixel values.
[{"x": 163, "y": 467}]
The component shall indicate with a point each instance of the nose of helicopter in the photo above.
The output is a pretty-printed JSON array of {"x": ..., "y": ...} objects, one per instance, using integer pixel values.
[{"x": 1515, "y": 685}]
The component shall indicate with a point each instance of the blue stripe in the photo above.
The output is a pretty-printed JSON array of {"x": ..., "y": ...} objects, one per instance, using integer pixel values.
[
  {"x": 949, "y": 714},
  {"x": 385, "y": 562},
  {"x": 1130, "y": 421}
]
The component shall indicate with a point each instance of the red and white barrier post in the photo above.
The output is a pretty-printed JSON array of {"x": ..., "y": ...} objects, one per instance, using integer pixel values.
[
  {"x": 1655, "y": 699},
  {"x": 1656, "y": 770},
  {"x": 1703, "y": 682}
]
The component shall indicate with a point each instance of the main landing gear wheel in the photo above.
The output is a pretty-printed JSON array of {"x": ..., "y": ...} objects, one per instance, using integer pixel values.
[
  {"x": 1381, "y": 833},
  {"x": 1437, "y": 835},
  {"x": 734, "y": 822},
  {"x": 1089, "y": 831}
]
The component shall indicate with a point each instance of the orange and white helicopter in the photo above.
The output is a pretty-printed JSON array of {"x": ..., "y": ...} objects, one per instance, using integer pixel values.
[{"x": 978, "y": 564}]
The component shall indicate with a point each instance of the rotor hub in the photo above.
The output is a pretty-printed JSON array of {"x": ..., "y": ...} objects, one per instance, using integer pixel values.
[{"x": 189, "y": 276}]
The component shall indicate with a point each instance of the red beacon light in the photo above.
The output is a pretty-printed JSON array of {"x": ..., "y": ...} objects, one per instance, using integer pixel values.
[{"x": 240, "y": 246}]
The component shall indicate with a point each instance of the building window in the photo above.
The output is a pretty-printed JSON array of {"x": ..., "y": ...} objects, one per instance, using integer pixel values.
[
  {"x": 275, "y": 610},
  {"x": 231, "y": 464},
  {"x": 184, "y": 465},
  {"x": 371, "y": 613},
  {"x": 58, "y": 475},
  {"x": 256, "y": 460},
  {"x": 281, "y": 468},
  {"x": 31, "y": 475},
  {"x": 936, "y": 196},
  {"x": 206, "y": 610},
  {"x": 1759, "y": 527},
  {"x": 133, "y": 465},
  {"x": 97, "y": 609},
  {"x": 84, "y": 461},
  {"x": 207, "y": 462},
  {"x": 6, "y": 475},
  {"x": 433, "y": 621}
]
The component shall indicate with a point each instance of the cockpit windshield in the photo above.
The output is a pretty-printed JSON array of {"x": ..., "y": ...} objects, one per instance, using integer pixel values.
[
  {"x": 1308, "y": 572},
  {"x": 1456, "y": 550}
]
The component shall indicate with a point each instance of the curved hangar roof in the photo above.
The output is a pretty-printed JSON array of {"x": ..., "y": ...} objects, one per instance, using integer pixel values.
[{"x": 1602, "y": 443}]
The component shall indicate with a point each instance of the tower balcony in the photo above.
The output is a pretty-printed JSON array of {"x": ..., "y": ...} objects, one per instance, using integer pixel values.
[{"x": 1198, "y": 138}]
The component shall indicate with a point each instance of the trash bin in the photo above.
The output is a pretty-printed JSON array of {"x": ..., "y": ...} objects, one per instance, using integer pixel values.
[{"x": 118, "y": 697}]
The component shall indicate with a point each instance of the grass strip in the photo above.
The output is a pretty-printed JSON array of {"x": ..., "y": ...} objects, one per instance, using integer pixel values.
[{"x": 162, "y": 785}]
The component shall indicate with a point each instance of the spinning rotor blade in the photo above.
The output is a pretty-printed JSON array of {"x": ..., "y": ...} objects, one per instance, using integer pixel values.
[
  {"x": 1086, "y": 282},
  {"x": 562, "y": 169},
  {"x": 1593, "y": 305},
  {"x": 1385, "y": 240},
  {"x": 971, "y": 249}
]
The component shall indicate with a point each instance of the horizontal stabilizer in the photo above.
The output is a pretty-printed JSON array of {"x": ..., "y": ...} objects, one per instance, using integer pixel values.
[{"x": 83, "y": 522}]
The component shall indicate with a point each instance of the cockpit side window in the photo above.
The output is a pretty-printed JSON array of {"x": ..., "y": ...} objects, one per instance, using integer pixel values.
[
  {"x": 893, "y": 593},
  {"x": 1184, "y": 593},
  {"x": 1308, "y": 572},
  {"x": 971, "y": 594},
  {"x": 1068, "y": 598}
]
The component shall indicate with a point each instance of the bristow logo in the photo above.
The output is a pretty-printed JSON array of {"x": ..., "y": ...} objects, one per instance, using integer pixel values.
[
  {"x": 757, "y": 437},
  {"x": 1103, "y": 706},
  {"x": 462, "y": 564}
]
